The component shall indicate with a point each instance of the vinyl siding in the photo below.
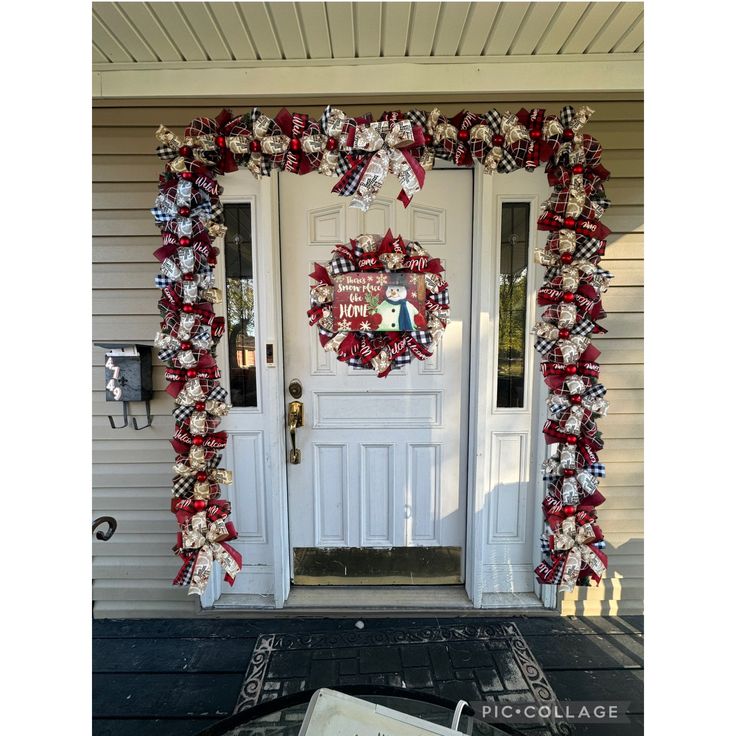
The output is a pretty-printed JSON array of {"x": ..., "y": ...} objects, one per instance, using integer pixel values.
[{"x": 132, "y": 470}]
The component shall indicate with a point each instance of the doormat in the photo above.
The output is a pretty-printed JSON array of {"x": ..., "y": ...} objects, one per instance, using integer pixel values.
[{"x": 489, "y": 662}]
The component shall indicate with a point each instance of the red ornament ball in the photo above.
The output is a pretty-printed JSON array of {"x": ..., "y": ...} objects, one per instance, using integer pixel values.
[
  {"x": 184, "y": 211},
  {"x": 185, "y": 151},
  {"x": 200, "y": 504},
  {"x": 199, "y": 405},
  {"x": 463, "y": 135},
  {"x": 332, "y": 143},
  {"x": 568, "y": 472},
  {"x": 202, "y": 476},
  {"x": 212, "y": 260},
  {"x": 187, "y": 308},
  {"x": 569, "y": 510},
  {"x": 198, "y": 440},
  {"x": 571, "y": 369},
  {"x": 186, "y": 345},
  {"x": 566, "y": 257},
  {"x": 220, "y": 141},
  {"x": 569, "y": 223},
  {"x": 191, "y": 373},
  {"x": 184, "y": 241},
  {"x": 295, "y": 144},
  {"x": 497, "y": 140},
  {"x": 255, "y": 146},
  {"x": 564, "y": 333},
  {"x": 186, "y": 175},
  {"x": 577, "y": 169},
  {"x": 188, "y": 276},
  {"x": 535, "y": 134},
  {"x": 572, "y": 439},
  {"x": 576, "y": 399},
  {"x": 568, "y": 134},
  {"x": 568, "y": 297}
]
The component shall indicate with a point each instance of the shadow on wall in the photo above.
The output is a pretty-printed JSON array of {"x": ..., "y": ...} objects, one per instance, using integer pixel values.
[{"x": 620, "y": 592}]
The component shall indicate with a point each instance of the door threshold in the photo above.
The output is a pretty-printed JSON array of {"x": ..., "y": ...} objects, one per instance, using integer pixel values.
[{"x": 361, "y": 598}]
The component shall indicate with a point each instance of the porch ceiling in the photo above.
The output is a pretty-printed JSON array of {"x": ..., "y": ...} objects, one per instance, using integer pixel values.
[{"x": 134, "y": 35}]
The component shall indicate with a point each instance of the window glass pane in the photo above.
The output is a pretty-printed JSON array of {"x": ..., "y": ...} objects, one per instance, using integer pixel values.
[
  {"x": 240, "y": 304},
  {"x": 512, "y": 280}
]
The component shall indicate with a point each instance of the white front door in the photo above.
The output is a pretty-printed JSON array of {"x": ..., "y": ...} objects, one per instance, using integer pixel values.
[
  {"x": 387, "y": 464},
  {"x": 383, "y": 460}
]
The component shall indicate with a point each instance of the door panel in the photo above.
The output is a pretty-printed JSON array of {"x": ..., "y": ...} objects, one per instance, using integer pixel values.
[{"x": 383, "y": 460}]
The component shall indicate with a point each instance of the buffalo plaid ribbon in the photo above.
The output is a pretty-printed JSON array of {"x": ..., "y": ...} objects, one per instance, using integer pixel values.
[
  {"x": 184, "y": 576},
  {"x": 584, "y": 327},
  {"x": 325, "y": 118},
  {"x": 205, "y": 272},
  {"x": 544, "y": 543},
  {"x": 349, "y": 126},
  {"x": 418, "y": 118},
  {"x": 167, "y": 153},
  {"x": 586, "y": 248},
  {"x": 268, "y": 163},
  {"x": 164, "y": 212},
  {"x": 183, "y": 485},
  {"x": 442, "y": 297},
  {"x": 596, "y": 469},
  {"x": 181, "y": 413},
  {"x": 345, "y": 257},
  {"x": 567, "y": 115},
  {"x": 350, "y": 180}
]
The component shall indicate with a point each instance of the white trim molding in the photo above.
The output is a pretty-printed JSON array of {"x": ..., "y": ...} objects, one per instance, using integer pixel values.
[{"x": 581, "y": 73}]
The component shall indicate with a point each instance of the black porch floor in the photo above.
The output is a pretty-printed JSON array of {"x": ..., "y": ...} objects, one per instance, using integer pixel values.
[{"x": 175, "y": 677}]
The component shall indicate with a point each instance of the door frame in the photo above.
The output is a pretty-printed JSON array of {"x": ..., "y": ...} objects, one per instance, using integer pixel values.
[{"x": 270, "y": 324}]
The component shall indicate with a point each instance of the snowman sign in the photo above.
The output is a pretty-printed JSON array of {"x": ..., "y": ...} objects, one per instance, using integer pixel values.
[{"x": 380, "y": 302}]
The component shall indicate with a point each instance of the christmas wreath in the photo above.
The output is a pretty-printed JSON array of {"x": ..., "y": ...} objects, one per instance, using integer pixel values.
[{"x": 379, "y": 302}]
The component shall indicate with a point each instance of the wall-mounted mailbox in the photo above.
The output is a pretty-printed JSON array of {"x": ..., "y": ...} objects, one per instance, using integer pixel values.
[{"x": 128, "y": 377}]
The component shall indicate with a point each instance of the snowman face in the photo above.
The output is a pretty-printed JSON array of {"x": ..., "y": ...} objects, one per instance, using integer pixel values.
[{"x": 395, "y": 293}]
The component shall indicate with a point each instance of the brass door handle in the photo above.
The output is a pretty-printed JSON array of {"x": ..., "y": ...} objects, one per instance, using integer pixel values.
[{"x": 295, "y": 418}]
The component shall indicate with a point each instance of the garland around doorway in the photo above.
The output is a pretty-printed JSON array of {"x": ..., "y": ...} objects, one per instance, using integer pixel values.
[{"x": 360, "y": 154}]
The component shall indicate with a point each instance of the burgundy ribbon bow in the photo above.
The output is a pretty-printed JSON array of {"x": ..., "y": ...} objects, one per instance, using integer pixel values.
[
  {"x": 586, "y": 299},
  {"x": 459, "y": 150},
  {"x": 555, "y": 373},
  {"x": 183, "y": 441},
  {"x": 203, "y": 249},
  {"x": 529, "y": 153},
  {"x": 554, "y": 508},
  {"x": 551, "y": 221},
  {"x": 214, "y": 520},
  {"x": 294, "y": 126},
  {"x": 587, "y": 445},
  {"x": 177, "y": 377},
  {"x": 222, "y": 127}
]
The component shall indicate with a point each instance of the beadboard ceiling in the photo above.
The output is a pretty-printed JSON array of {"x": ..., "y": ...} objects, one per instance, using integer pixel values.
[{"x": 162, "y": 34}]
